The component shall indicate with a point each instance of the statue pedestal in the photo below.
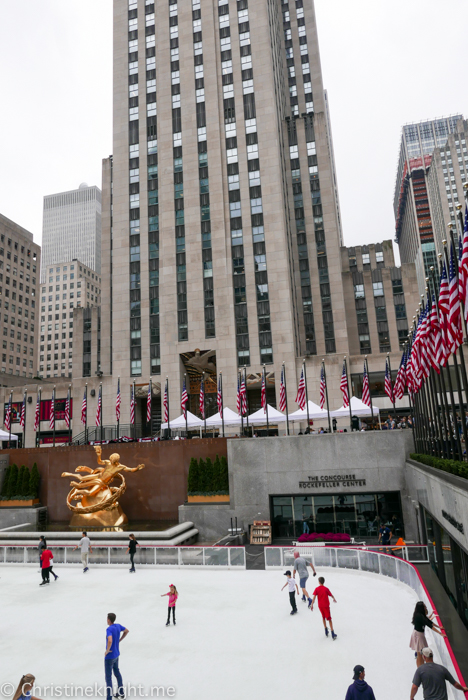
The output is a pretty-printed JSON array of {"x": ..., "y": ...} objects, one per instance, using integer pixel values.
[{"x": 113, "y": 517}]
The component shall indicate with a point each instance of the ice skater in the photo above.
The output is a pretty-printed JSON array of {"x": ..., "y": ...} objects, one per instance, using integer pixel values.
[
  {"x": 85, "y": 545},
  {"x": 132, "y": 545},
  {"x": 292, "y": 588},
  {"x": 24, "y": 689},
  {"x": 420, "y": 621},
  {"x": 46, "y": 565},
  {"x": 173, "y": 595},
  {"x": 300, "y": 565},
  {"x": 40, "y": 548},
  {"x": 323, "y": 594},
  {"x": 111, "y": 657},
  {"x": 359, "y": 690}
]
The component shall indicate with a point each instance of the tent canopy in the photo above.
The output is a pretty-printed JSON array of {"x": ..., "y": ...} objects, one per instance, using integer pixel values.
[
  {"x": 6, "y": 436},
  {"x": 260, "y": 417},
  {"x": 358, "y": 408},
  {"x": 315, "y": 413},
  {"x": 179, "y": 423},
  {"x": 230, "y": 418}
]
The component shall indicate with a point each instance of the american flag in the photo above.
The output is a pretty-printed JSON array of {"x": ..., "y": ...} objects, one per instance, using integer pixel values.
[
  {"x": 263, "y": 394},
  {"x": 400, "y": 381},
  {"x": 118, "y": 401},
  {"x": 52, "y": 412},
  {"x": 166, "y": 402},
  {"x": 184, "y": 400},
  {"x": 410, "y": 381},
  {"x": 37, "y": 415},
  {"x": 463, "y": 272},
  {"x": 455, "y": 332},
  {"x": 388, "y": 382},
  {"x": 243, "y": 392},
  {"x": 437, "y": 356},
  {"x": 132, "y": 406},
  {"x": 8, "y": 415},
  {"x": 301, "y": 394},
  {"x": 323, "y": 387},
  {"x": 23, "y": 412},
  {"x": 365, "y": 387},
  {"x": 201, "y": 404},
  {"x": 282, "y": 401},
  {"x": 219, "y": 397},
  {"x": 344, "y": 386},
  {"x": 67, "y": 410},
  {"x": 148, "y": 403},
  {"x": 239, "y": 398},
  {"x": 444, "y": 307},
  {"x": 99, "y": 408},
  {"x": 84, "y": 408}
]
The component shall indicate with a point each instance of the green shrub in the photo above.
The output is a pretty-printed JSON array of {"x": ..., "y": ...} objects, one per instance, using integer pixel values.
[
  {"x": 210, "y": 486},
  {"x": 5, "y": 482},
  {"x": 25, "y": 479},
  {"x": 20, "y": 480},
  {"x": 34, "y": 482},
  {"x": 13, "y": 482},
  {"x": 451, "y": 466},
  {"x": 224, "y": 481},
  {"x": 202, "y": 476},
  {"x": 217, "y": 474},
  {"x": 193, "y": 476}
]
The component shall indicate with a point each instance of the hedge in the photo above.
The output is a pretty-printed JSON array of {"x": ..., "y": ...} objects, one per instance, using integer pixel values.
[
  {"x": 451, "y": 466},
  {"x": 20, "y": 484},
  {"x": 206, "y": 478}
]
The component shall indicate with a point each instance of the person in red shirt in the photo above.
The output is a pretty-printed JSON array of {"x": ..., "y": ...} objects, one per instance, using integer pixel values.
[
  {"x": 46, "y": 558},
  {"x": 323, "y": 594}
]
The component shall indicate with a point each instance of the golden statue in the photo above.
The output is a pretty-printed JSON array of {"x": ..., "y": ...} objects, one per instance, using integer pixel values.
[{"x": 98, "y": 501}]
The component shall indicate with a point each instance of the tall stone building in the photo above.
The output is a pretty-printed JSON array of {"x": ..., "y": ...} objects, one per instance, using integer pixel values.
[
  {"x": 222, "y": 236},
  {"x": 71, "y": 228}
]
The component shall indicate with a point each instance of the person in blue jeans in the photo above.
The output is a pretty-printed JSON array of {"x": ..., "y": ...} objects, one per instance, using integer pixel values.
[{"x": 111, "y": 657}]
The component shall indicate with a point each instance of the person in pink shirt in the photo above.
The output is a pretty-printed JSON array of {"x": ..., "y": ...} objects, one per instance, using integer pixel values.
[{"x": 173, "y": 595}]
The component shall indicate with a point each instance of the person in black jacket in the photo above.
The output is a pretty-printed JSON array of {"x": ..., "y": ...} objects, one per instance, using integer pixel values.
[
  {"x": 421, "y": 620},
  {"x": 132, "y": 545},
  {"x": 359, "y": 690}
]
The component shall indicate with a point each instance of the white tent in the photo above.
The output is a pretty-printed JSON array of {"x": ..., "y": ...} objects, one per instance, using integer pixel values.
[
  {"x": 358, "y": 408},
  {"x": 260, "y": 417},
  {"x": 6, "y": 436},
  {"x": 315, "y": 413},
  {"x": 230, "y": 418},
  {"x": 179, "y": 423}
]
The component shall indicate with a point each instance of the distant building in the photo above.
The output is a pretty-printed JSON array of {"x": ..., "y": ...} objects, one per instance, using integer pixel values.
[
  {"x": 66, "y": 286},
  {"x": 414, "y": 225},
  {"x": 71, "y": 228},
  {"x": 20, "y": 260}
]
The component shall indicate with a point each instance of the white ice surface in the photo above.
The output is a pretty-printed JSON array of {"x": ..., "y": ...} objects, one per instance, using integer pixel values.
[{"x": 234, "y": 636}]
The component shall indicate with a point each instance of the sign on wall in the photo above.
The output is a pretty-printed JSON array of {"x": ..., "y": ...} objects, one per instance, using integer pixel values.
[{"x": 329, "y": 481}]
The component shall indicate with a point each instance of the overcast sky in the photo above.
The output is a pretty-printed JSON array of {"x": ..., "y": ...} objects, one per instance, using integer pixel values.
[{"x": 384, "y": 64}]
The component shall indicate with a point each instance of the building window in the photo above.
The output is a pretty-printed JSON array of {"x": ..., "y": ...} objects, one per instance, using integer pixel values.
[
  {"x": 384, "y": 341},
  {"x": 378, "y": 289},
  {"x": 379, "y": 258},
  {"x": 400, "y": 310},
  {"x": 365, "y": 259},
  {"x": 359, "y": 291},
  {"x": 397, "y": 286},
  {"x": 136, "y": 368}
]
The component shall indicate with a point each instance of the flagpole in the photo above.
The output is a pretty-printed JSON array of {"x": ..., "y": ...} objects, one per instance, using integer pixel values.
[
  {"x": 239, "y": 379},
  {"x": 150, "y": 396},
  {"x": 38, "y": 430},
  {"x": 134, "y": 411},
  {"x": 391, "y": 383},
  {"x": 101, "y": 411},
  {"x": 246, "y": 401},
  {"x": 118, "y": 419},
  {"x": 432, "y": 385},
  {"x": 168, "y": 410},
  {"x": 9, "y": 426},
  {"x": 307, "y": 394},
  {"x": 286, "y": 397},
  {"x": 69, "y": 416},
  {"x": 86, "y": 413},
  {"x": 326, "y": 395},
  {"x": 204, "y": 403},
  {"x": 54, "y": 416},
  {"x": 368, "y": 382},
  {"x": 349, "y": 395},
  {"x": 25, "y": 399},
  {"x": 186, "y": 414},
  {"x": 460, "y": 349},
  {"x": 222, "y": 399}
]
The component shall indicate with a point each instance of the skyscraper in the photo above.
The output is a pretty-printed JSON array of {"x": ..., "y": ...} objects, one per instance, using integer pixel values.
[
  {"x": 414, "y": 226},
  {"x": 221, "y": 224},
  {"x": 71, "y": 228}
]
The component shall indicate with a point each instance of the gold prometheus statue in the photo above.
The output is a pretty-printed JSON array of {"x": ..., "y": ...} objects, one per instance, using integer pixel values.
[{"x": 97, "y": 501}]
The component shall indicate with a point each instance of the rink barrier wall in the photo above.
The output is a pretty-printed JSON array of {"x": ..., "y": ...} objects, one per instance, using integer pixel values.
[
  {"x": 375, "y": 562},
  {"x": 151, "y": 556}
]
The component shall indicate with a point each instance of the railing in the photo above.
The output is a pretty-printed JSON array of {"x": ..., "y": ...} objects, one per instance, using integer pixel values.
[
  {"x": 146, "y": 555},
  {"x": 374, "y": 560},
  {"x": 109, "y": 432}
]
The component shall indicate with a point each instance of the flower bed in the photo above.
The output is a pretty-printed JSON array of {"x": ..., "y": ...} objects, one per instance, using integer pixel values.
[{"x": 325, "y": 537}]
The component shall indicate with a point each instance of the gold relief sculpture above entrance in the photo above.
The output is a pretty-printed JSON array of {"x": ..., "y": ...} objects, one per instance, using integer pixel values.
[
  {"x": 96, "y": 500},
  {"x": 200, "y": 361}
]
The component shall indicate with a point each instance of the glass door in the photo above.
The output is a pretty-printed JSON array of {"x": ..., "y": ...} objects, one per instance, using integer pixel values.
[
  {"x": 283, "y": 521},
  {"x": 304, "y": 521},
  {"x": 324, "y": 512}
]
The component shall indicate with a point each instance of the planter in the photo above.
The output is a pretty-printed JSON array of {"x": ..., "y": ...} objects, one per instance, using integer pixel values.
[
  {"x": 208, "y": 499},
  {"x": 19, "y": 504}
]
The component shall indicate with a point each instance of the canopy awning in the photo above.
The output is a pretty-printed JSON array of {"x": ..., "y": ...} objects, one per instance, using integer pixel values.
[
  {"x": 358, "y": 408},
  {"x": 315, "y": 413},
  {"x": 230, "y": 418},
  {"x": 6, "y": 436},
  {"x": 260, "y": 417},
  {"x": 180, "y": 424}
]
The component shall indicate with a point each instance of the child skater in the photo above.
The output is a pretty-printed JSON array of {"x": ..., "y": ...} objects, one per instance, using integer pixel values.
[
  {"x": 173, "y": 595},
  {"x": 292, "y": 588},
  {"x": 323, "y": 594}
]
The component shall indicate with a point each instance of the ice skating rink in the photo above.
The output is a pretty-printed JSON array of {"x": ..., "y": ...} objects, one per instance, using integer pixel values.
[{"x": 234, "y": 636}]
